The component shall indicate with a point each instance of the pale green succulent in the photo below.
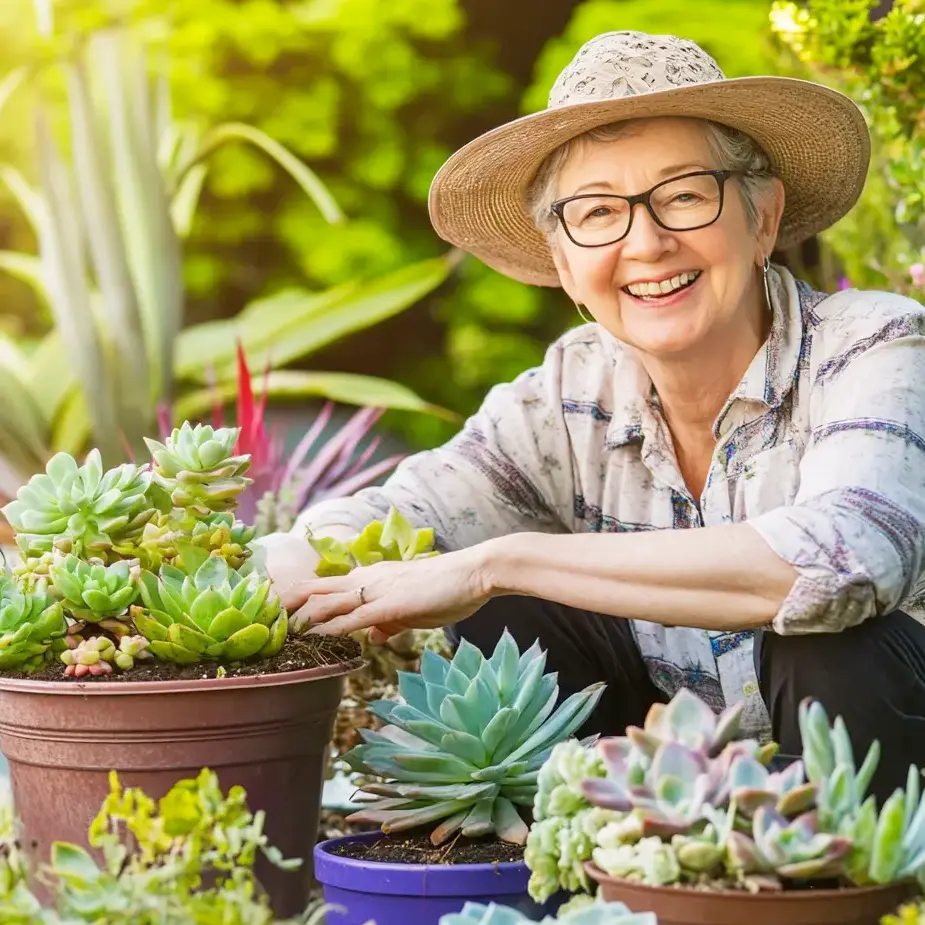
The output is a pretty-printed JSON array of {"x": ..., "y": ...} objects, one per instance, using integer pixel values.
[
  {"x": 591, "y": 913},
  {"x": 31, "y": 623},
  {"x": 197, "y": 469},
  {"x": 565, "y": 827},
  {"x": 218, "y": 533},
  {"x": 209, "y": 611},
  {"x": 392, "y": 539},
  {"x": 95, "y": 593},
  {"x": 466, "y": 746},
  {"x": 649, "y": 860},
  {"x": 80, "y": 509}
]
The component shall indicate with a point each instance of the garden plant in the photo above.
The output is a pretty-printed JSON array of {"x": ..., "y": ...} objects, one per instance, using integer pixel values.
[
  {"x": 139, "y": 588},
  {"x": 452, "y": 773},
  {"x": 683, "y": 804}
]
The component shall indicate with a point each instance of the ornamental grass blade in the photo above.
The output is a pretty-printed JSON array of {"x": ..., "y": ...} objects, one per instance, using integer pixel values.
[
  {"x": 61, "y": 243},
  {"x": 110, "y": 262},
  {"x": 152, "y": 244}
]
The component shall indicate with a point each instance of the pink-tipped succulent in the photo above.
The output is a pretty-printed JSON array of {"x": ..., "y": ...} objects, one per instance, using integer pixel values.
[{"x": 98, "y": 654}]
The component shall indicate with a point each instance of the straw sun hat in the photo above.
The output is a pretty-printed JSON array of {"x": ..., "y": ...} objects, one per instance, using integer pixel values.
[{"x": 816, "y": 139}]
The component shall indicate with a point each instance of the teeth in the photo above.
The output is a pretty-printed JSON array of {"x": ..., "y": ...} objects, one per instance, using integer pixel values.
[{"x": 665, "y": 286}]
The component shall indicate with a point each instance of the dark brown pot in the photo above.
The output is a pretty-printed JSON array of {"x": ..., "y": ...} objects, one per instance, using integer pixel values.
[
  {"x": 680, "y": 906},
  {"x": 268, "y": 733}
]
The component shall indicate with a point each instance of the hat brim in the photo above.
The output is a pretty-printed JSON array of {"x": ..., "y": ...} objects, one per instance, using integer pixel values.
[{"x": 816, "y": 138}]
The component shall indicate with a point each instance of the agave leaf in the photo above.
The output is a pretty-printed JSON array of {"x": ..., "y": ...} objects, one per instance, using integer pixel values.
[
  {"x": 466, "y": 746},
  {"x": 543, "y": 704},
  {"x": 413, "y": 688},
  {"x": 226, "y": 623},
  {"x": 498, "y": 730},
  {"x": 569, "y": 717},
  {"x": 149, "y": 627},
  {"x": 504, "y": 664},
  {"x": 169, "y": 652},
  {"x": 468, "y": 659},
  {"x": 428, "y": 730},
  {"x": 868, "y": 769},
  {"x": 448, "y": 828},
  {"x": 449, "y": 767},
  {"x": 507, "y": 822}
]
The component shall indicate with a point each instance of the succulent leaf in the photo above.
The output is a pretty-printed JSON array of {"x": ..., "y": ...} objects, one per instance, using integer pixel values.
[
  {"x": 467, "y": 741},
  {"x": 30, "y": 622},
  {"x": 193, "y": 617},
  {"x": 80, "y": 509}
]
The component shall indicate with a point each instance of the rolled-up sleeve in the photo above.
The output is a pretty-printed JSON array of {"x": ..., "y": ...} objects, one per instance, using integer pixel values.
[
  {"x": 856, "y": 531},
  {"x": 508, "y": 470}
]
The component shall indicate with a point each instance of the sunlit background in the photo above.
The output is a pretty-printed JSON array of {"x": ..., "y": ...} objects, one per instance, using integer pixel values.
[{"x": 201, "y": 174}]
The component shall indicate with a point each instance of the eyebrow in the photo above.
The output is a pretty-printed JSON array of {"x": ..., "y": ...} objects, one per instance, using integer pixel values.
[{"x": 665, "y": 172}]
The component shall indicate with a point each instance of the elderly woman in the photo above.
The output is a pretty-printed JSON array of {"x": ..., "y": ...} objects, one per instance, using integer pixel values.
[{"x": 719, "y": 482}]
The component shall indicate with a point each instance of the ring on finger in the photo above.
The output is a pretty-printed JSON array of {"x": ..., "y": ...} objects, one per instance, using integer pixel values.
[{"x": 361, "y": 596}]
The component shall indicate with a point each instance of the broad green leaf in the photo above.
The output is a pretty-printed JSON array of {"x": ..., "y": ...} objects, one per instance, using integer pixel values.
[
  {"x": 73, "y": 864},
  {"x": 343, "y": 387},
  {"x": 307, "y": 179},
  {"x": 293, "y": 324}
]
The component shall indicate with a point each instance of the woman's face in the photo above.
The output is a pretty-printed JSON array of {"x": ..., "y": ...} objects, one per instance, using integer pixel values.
[{"x": 716, "y": 267}]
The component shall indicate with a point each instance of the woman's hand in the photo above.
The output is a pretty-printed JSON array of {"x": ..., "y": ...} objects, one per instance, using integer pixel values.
[{"x": 390, "y": 597}]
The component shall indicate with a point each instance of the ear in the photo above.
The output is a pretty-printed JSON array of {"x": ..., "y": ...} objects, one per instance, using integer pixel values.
[
  {"x": 770, "y": 212},
  {"x": 565, "y": 274}
]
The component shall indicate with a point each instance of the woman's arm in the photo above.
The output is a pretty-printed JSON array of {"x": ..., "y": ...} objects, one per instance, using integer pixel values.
[{"x": 717, "y": 578}]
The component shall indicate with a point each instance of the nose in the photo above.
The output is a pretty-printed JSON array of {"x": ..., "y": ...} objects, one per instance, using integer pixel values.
[{"x": 647, "y": 240}]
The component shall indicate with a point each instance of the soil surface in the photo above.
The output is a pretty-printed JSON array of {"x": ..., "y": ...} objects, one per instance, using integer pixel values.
[
  {"x": 299, "y": 652},
  {"x": 416, "y": 848}
]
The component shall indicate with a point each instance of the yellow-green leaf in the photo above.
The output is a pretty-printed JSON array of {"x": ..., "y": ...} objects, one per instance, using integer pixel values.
[{"x": 348, "y": 388}]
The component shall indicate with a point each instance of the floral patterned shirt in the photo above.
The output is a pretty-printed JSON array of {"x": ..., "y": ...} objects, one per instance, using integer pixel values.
[{"x": 821, "y": 449}]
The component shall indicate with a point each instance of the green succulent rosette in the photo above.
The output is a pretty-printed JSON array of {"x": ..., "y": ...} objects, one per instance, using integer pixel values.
[
  {"x": 195, "y": 467},
  {"x": 209, "y": 611},
  {"x": 94, "y": 593},
  {"x": 31, "y": 621},
  {"x": 393, "y": 539},
  {"x": 80, "y": 509}
]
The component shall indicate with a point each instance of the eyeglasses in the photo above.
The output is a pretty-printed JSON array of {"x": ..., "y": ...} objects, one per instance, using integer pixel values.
[{"x": 685, "y": 203}]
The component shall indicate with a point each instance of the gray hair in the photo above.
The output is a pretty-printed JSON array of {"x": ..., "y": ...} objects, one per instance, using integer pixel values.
[{"x": 733, "y": 150}]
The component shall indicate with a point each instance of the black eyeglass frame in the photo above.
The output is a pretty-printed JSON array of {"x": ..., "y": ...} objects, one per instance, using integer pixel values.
[{"x": 558, "y": 207}]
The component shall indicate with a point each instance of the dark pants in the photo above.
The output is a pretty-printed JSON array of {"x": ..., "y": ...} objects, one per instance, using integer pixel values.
[{"x": 872, "y": 675}]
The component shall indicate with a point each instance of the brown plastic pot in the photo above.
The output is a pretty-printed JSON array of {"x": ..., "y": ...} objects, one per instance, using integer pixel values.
[
  {"x": 268, "y": 733},
  {"x": 680, "y": 906}
]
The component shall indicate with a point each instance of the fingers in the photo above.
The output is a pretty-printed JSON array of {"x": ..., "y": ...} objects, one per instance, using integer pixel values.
[
  {"x": 381, "y": 634},
  {"x": 364, "y": 617},
  {"x": 320, "y": 608}
]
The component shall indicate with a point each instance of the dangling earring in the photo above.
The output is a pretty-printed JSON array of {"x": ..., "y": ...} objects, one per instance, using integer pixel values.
[
  {"x": 580, "y": 312},
  {"x": 765, "y": 268}
]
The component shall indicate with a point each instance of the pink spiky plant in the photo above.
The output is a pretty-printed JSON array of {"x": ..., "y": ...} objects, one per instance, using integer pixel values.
[{"x": 282, "y": 486}]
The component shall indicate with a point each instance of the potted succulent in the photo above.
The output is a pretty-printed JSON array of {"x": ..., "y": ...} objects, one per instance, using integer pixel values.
[
  {"x": 446, "y": 780},
  {"x": 592, "y": 913},
  {"x": 138, "y": 634},
  {"x": 681, "y": 818}
]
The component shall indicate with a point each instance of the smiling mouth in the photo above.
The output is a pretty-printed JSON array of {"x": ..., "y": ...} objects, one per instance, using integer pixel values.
[{"x": 652, "y": 292}]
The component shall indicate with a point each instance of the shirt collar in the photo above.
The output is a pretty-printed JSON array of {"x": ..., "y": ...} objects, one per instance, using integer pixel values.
[{"x": 767, "y": 381}]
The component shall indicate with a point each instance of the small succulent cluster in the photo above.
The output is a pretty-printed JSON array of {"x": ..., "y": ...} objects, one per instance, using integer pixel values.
[
  {"x": 137, "y": 562},
  {"x": 695, "y": 805},
  {"x": 464, "y": 747},
  {"x": 594, "y": 913},
  {"x": 391, "y": 539}
]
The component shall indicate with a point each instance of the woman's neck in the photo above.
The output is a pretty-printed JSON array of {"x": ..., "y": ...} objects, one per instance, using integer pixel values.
[{"x": 693, "y": 388}]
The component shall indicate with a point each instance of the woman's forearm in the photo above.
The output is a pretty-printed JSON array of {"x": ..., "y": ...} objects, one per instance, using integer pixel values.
[{"x": 719, "y": 578}]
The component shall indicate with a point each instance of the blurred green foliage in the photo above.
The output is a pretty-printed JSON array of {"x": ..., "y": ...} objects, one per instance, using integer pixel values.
[{"x": 880, "y": 64}]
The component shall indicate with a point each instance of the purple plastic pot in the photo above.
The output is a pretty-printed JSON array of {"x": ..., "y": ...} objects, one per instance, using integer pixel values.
[{"x": 417, "y": 894}]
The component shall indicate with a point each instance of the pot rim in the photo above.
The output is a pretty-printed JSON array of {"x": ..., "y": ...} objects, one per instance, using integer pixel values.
[
  {"x": 598, "y": 875},
  {"x": 394, "y": 879},
  {"x": 185, "y": 686}
]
